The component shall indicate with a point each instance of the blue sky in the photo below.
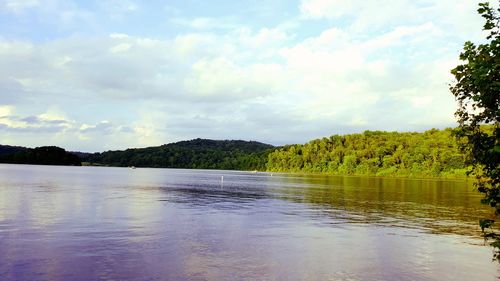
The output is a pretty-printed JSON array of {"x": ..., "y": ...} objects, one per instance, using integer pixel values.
[{"x": 100, "y": 75}]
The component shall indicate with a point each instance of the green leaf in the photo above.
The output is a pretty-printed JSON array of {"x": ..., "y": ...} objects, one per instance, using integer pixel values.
[{"x": 497, "y": 148}]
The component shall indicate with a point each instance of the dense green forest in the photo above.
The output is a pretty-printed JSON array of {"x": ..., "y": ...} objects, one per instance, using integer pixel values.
[
  {"x": 45, "y": 155},
  {"x": 193, "y": 154},
  {"x": 433, "y": 153}
]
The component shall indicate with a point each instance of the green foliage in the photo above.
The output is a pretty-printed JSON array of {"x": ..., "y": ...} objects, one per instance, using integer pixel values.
[
  {"x": 430, "y": 154},
  {"x": 477, "y": 89},
  {"x": 45, "y": 155},
  {"x": 485, "y": 223},
  {"x": 193, "y": 154}
]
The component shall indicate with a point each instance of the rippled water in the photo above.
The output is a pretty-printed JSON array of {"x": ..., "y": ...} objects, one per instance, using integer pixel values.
[{"x": 94, "y": 223}]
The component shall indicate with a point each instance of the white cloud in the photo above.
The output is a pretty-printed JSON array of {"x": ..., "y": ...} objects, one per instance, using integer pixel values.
[
  {"x": 49, "y": 121},
  {"x": 364, "y": 15},
  {"x": 403, "y": 35},
  {"x": 122, "y": 47},
  {"x": 188, "y": 45},
  {"x": 206, "y": 23},
  {"x": 260, "y": 82},
  {"x": 53, "y": 114},
  {"x": 5, "y": 110},
  {"x": 119, "y": 36},
  {"x": 263, "y": 39},
  {"x": 53, "y": 128},
  {"x": 332, "y": 77},
  {"x": 222, "y": 79},
  {"x": 19, "y": 6}
]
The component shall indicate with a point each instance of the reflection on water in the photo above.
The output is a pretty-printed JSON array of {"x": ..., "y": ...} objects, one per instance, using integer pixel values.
[
  {"x": 88, "y": 223},
  {"x": 441, "y": 206}
]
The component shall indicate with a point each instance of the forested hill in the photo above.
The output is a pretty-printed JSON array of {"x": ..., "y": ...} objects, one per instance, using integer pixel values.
[
  {"x": 195, "y": 154},
  {"x": 8, "y": 149},
  {"x": 433, "y": 153},
  {"x": 45, "y": 155}
]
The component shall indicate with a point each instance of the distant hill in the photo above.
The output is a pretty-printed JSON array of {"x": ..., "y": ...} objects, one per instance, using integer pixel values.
[
  {"x": 7, "y": 149},
  {"x": 433, "y": 153},
  {"x": 192, "y": 154},
  {"x": 45, "y": 155}
]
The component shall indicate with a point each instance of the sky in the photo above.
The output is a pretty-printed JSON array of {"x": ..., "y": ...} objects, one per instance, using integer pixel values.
[{"x": 109, "y": 74}]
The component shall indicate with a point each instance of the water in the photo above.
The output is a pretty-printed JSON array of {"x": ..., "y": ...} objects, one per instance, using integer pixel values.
[{"x": 95, "y": 223}]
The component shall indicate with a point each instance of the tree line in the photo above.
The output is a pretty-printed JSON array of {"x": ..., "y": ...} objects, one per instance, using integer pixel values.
[
  {"x": 193, "y": 154},
  {"x": 45, "y": 155},
  {"x": 433, "y": 153}
]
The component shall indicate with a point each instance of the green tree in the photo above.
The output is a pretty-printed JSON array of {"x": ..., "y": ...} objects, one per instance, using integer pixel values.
[
  {"x": 430, "y": 154},
  {"x": 477, "y": 90}
]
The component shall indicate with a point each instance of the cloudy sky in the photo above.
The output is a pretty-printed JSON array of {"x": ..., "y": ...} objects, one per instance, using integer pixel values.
[{"x": 111, "y": 74}]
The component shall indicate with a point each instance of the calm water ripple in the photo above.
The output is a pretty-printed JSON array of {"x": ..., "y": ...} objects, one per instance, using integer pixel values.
[{"x": 95, "y": 223}]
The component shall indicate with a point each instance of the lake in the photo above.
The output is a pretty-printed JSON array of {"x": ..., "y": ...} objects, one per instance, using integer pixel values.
[{"x": 99, "y": 223}]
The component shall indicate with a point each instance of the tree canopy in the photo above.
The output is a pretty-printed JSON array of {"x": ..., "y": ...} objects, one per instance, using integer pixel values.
[
  {"x": 477, "y": 90},
  {"x": 193, "y": 154},
  {"x": 45, "y": 155},
  {"x": 433, "y": 153}
]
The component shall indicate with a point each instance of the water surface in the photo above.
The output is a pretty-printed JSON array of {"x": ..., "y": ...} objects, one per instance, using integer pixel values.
[{"x": 95, "y": 223}]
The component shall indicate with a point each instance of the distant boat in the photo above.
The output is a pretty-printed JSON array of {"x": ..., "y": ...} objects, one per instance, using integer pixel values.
[
  {"x": 131, "y": 167},
  {"x": 254, "y": 171}
]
